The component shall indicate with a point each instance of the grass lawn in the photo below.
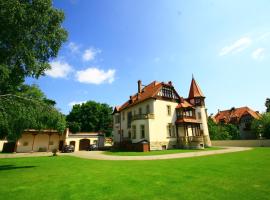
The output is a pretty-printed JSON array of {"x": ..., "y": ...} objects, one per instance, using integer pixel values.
[
  {"x": 162, "y": 152},
  {"x": 242, "y": 175}
]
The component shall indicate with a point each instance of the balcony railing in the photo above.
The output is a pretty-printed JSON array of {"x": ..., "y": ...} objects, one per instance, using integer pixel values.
[
  {"x": 185, "y": 117},
  {"x": 143, "y": 116},
  {"x": 188, "y": 139}
]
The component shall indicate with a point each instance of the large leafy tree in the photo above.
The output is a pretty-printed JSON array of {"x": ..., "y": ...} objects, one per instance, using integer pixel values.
[
  {"x": 90, "y": 117},
  {"x": 220, "y": 131},
  {"x": 267, "y": 104},
  {"x": 21, "y": 111},
  {"x": 30, "y": 35}
]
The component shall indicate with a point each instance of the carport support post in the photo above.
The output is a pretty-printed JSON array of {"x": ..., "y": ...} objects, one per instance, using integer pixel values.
[
  {"x": 49, "y": 142},
  {"x": 34, "y": 135}
]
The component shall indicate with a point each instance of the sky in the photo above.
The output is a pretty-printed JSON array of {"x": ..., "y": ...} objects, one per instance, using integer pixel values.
[{"x": 113, "y": 44}]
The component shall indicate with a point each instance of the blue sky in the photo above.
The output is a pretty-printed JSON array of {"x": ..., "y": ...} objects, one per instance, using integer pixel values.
[{"x": 112, "y": 44}]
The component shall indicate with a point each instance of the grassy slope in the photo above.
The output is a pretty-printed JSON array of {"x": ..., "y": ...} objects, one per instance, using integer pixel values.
[
  {"x": 151, "y": 153},
  {"x": 243, "y": 175}
]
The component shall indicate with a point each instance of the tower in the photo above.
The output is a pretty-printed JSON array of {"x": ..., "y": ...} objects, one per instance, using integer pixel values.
[{"x": 197, "y": 98}]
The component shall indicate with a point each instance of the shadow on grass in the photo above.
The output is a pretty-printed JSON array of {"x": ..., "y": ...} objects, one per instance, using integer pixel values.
[{"x": 10, "y": 167}]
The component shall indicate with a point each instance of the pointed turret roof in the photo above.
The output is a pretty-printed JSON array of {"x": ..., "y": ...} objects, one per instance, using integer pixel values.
[{"x": 194, "y": 90}]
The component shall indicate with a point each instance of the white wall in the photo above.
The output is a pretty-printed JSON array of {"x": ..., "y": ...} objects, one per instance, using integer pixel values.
[
  {"x": 2, "y": 144},
  {"x": 41, "y": 140}
]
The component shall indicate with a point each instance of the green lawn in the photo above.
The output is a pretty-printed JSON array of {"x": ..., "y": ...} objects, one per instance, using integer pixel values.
[
  {"x": 242, "y": 175},
  {"x": 151, "y": 153}
]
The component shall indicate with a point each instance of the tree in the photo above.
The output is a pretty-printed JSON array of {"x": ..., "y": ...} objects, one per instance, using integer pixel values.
[
  {"x": 220, "y": 131},
  {"x": 267, "y": 104},
  {"x": 34, "y": 92},
  {"x": 18, "y": 113},
  {"x": 261, "y": 126},
  {"x": 90, "y": 117},
  {"x": 30, "y": 35}
]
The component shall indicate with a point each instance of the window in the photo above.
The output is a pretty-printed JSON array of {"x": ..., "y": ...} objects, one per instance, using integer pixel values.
[
  {"x": 117, "y": 119},
  {"x": 142, "y": 131},
  {"x": 199, "y": 115},
  {"x": 123, "y": 116},
  {"x": 168, "y": 92},
  {"x": 140, "y": 111},
  {"x": 133, "y": 132},
  {"x": 169, "y": 130},
  {"x": 168, "y": 110},
  {"x": 129, "y": 119},
  {"x": 129, "y": 134},
  {"x": 147, "y": 109},
  {"x": 173, "y": 131}
]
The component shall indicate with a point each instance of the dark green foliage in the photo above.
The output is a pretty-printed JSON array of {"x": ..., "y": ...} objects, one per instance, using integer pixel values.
[
  {"x": 222, "y": 131},
  {"x": 261, "y": 126},
  {"x": 90, "y": 117},
  {"x": 18, "y": 113},
  {"x": 30, "y": 35},
  {"x": 267, "y": 104}
]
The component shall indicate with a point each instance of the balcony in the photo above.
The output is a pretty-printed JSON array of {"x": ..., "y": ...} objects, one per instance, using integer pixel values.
[
  {"x": 143, "y": 116},
  {"x": 187, "y": 119},
  {"x": 188, "y": 139}
]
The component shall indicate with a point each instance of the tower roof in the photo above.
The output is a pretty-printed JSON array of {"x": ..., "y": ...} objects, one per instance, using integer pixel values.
[{"x": 194, "y": 90}]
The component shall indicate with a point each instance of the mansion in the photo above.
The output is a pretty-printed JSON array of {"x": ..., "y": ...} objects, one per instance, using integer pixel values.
[{"x": 158, "y": 115}]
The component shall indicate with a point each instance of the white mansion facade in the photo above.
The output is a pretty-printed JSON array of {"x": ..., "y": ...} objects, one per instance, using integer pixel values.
[{"x": 158, "y": 115}]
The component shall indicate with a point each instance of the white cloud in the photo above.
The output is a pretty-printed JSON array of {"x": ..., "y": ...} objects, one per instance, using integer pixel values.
[
  {"x": 258, "y": 54},
  {"x": 59, "y": 69},
  {"x": 95, "y": 76},
  {"x": 71, "y": 104},
  {"x": 237, "y": 46},
  {"x": 73, "y": 47},
  {"x": 90, "y": 54}
]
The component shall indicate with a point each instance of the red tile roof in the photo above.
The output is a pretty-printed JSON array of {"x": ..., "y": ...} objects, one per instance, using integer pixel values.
[
  {"x": 184, "y": 104},
  {"x": 194, "y": 90},
  {"x": 235, "y": 113},
  {"x": 149, "y": 91}
]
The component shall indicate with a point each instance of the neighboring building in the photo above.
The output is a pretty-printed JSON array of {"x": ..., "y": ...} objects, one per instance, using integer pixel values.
[
  {"x": 158, "y": 115},
  {"x": 47, "y": 140},
  {"x": 241, "y": 117}
]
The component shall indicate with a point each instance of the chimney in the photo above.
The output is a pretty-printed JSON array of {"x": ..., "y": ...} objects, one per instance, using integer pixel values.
[
  {"x": 218, "y": 111},
  {"x": 139, "y": 86},
  {"x": 170, "y": 83},
  {"x": 130, "y": 99}
]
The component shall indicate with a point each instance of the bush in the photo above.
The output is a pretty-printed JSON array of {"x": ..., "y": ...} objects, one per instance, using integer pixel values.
[
  {"x": 262, "y": 126},
  {"x": 54, "y": 151}
]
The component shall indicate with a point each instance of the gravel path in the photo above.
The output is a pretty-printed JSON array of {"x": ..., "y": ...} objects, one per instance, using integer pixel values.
[{"x": 98, "y": 155}]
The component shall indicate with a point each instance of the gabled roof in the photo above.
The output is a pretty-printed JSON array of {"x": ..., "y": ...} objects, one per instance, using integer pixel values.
[
  {"x": 194, "y": 90},
  {"x": 184, "y": 104},
  {"x": 148, "y": 92},
  {"x": 235, "y": 114}
]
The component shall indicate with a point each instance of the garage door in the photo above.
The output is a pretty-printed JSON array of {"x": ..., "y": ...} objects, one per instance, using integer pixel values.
[{"x": 84, "y": 145}]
